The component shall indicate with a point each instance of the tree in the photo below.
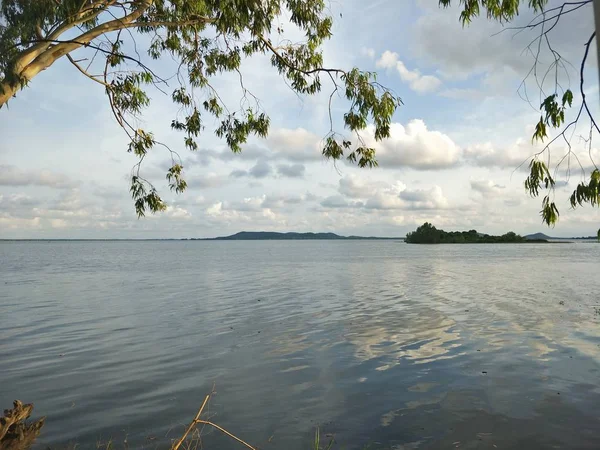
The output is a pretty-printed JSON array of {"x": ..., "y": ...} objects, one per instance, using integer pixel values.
[
  {"x": 209, "y": 37},
  {"x": 206, "y": 38},
  {"x": 555, "y": 102}
]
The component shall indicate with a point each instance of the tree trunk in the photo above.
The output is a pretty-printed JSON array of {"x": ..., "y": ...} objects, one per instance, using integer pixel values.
[
  {"x": 40, "y": 57},
  {"x": 15, "y": 433},
  {"x": 6, "y": 93}
]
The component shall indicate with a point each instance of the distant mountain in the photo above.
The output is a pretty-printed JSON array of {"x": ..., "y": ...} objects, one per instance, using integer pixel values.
[
  {"x": 543, "y": 236},
  {"x": 535, "y": 236},
  {"x": 271, "y": 235}
]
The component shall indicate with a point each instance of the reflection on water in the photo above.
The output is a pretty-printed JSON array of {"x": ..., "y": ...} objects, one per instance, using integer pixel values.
[{"x": 380, "y": 343}]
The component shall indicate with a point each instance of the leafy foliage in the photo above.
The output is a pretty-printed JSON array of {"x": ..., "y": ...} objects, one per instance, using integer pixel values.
[
  {"x": 587, "y": 192},
  {"x": 428, "y": 234},
  {"x": 553, "y": 107},
  {"x": 206, "y": 38},
  {"x": 500, "y": 10},
  {"x": 210, "y": 37}
]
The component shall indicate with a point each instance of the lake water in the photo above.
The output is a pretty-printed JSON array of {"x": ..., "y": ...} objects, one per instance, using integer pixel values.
[{"x": 380, "y": 343}]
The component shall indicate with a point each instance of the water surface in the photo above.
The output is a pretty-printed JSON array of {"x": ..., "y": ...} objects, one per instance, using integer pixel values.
[{"x": 379, "y": 343}]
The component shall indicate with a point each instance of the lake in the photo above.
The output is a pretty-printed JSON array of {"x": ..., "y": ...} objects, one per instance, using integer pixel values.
[{"x": 379, "y": 343}]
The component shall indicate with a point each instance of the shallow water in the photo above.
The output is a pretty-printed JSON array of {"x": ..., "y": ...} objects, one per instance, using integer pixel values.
[{"x": 380, "y": 343}]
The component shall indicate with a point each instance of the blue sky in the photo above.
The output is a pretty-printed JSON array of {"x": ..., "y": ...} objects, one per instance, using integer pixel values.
[{"x": 451, "y": 159}]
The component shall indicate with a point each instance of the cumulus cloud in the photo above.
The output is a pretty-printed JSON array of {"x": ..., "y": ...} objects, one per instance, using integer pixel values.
[
  {"x": 13, "y": 176},
  {"x": 177, "y": 212},
  {"x": 18, "y": 200},
  {"x": 8, "y": 222},
  {"x": 488, "y": 155},
  {"x": 354, "y": 186},
  {"x": 417, "y": 82},
  {"x": 202, "y": 157},
  {"x": 432, "y": 198},
  {"x": 379, "y": 195},
  {"x": 239, "y": 173},
  {"x": 205, "y": 181},
  {"x": 248, "y": 214},
  {"x": 335, "y": 201},
  {"x": 416, "y": 147},
  {"x": 470, "y": 50},
  {"x": 282, "y": 201},
  {"x": 368, "y": 52},
  {"x": 487, "y": 188},
  {"x": 384, "y": 201},
  {"x": 481, "y": 49},
  {"x": 462, "y": 93},
  {"x": 291, "y": 170},
  {"x": 295, "y": 144},
  {"x": 261, "y": 169}
]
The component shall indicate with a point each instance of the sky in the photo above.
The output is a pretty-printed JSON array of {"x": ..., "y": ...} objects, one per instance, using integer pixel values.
[{"x": 453, "y": 157}]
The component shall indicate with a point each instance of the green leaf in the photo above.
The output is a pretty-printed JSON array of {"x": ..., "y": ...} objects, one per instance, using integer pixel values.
[{"x": 567, "y": 98}]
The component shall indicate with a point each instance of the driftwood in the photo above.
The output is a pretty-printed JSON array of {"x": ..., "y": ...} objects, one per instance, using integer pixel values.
[{"x": 15, "y": 433}]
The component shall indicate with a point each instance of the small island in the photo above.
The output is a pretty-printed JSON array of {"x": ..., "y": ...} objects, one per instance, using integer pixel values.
[{"x": 428, "y": 234}]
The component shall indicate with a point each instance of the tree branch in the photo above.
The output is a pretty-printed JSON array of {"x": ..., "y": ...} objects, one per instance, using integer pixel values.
[
  {"x": 83, "y": 71},
  {"x": 587, "y": 49},
  {"x": 291, "y": 66}
]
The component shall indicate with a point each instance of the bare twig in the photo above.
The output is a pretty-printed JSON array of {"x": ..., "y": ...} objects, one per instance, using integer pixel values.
[
  {"x": 223, "y": 430},
  {"x": 83, "y": 71},
  {"x": 198, "y": 420},
  {"x": 191, "y": 425}
]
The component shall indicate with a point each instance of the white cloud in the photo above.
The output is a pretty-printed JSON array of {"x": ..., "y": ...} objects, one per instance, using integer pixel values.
[
  {"x": 444, "y": 167},
  {"x": 510, "y": 157},
  {"x": 432, "y": 198},
  {"x": 460, "y": 52},
  {"x": 177, "y": 212},
  {"x": 205, "y": 181},
  {"x": 335, "y": 201},
  {"x": 295, "y": 144},
  {"x": 291, "y": 170},
  {"x": 416, "y": 147},
  {"x": 416, "y": 81},
  {"x": 378, "y": 195},
  {"x": 487, "y": 188},
  {"x": 8, "y": 222},
  {"x": 462, "y": 93},
  {"x": 18, "y": 200},
  {"x": 13, "y": 176},
  {"x": 354, "y": 186},
  {"x": 368, "y": 52},
  {"x": 483, "y": 48},
  {"x": 261, "y": 169},
  {"x": 283, "y": 201}
]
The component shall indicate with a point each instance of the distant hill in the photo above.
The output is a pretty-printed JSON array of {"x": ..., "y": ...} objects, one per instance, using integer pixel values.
[
  {"x": 272, "y": 235},
  {"x": 536, "y": 236}
]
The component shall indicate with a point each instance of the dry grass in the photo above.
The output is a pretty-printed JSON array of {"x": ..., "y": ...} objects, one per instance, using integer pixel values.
[
  {"x": 195, "y": 440},
  {"x": 192, "y": 438}
]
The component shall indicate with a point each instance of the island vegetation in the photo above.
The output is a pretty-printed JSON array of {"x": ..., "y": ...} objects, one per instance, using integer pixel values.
[{"x": 428, "y": 234}]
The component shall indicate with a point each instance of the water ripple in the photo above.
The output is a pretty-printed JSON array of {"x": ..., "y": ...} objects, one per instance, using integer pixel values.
[{"x": 387, "y": 345}]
